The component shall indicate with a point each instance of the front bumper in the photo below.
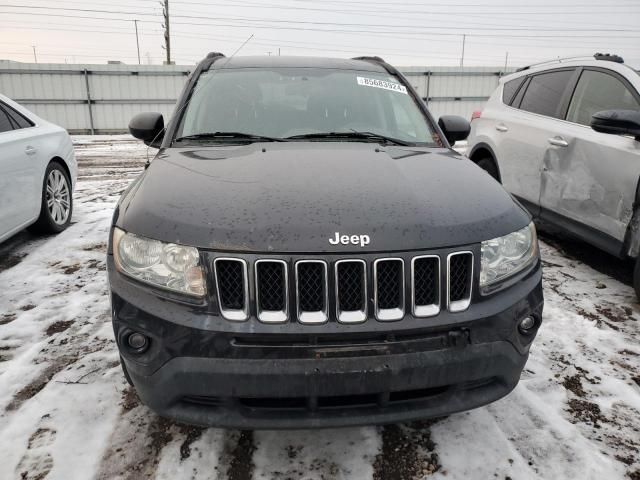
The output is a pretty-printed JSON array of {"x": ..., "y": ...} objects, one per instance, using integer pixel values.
[
  {"x": 257, "y": 394},
  {"x": 203, "y": 370}
]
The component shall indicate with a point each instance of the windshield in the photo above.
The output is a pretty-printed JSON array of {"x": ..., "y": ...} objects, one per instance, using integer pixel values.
[{"x": 287, "y": 102}]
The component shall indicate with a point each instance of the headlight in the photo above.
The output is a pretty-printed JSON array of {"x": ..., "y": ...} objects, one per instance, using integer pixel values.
[
  {"x": 505, "y": 256},
  {"x": 165, "y": 265}
]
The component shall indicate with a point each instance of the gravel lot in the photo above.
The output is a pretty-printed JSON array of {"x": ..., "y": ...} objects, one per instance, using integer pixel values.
[{"x": 67, "y": 413}]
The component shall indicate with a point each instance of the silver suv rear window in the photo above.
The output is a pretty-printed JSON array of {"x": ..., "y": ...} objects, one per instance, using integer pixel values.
[{"x": 510, "y": 88}]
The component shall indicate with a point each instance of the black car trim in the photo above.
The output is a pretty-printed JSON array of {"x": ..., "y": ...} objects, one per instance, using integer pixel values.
[{"x": 562, "y": 223}]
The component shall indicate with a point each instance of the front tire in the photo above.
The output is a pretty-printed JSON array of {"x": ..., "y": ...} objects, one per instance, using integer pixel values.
[
  {"x": 57, "y": 201},
  {"x": 636, "y": 278},
  {"x": 489, "y": 166},
  {"x": 126, "y": 372}
]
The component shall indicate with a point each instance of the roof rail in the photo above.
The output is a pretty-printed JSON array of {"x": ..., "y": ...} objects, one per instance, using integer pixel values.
[
  {"x": 214, "y": 55},
  {"x": 609, "y": 57},
  {"x": 598, "y": 56},
  {"x": 555, "y": 60}
]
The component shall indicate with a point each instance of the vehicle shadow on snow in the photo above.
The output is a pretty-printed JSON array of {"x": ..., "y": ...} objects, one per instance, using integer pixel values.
[
  {"x": 15, "y": 248},
  {"x": 144, "y": 445},
  {"x": 574, "y": 249}
]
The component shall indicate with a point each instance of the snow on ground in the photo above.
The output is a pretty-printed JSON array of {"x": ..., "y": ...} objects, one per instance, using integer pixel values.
[{"x": 67, "y": 413}]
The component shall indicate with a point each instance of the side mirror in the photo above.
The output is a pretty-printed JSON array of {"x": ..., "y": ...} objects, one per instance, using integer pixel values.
[
  {"x": 454, "y": 128},
  {"x": 148, "y": 127},
  {"x": 617, "y": 122}
]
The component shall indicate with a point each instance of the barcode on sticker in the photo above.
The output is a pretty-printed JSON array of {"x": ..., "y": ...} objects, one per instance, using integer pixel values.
[{"x": 372, "y": 82}]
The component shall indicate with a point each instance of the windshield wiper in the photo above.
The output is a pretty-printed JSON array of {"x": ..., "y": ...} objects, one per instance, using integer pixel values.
[
  {"x": 354, "y": 134},
  {"x": 229, "y": 136}
]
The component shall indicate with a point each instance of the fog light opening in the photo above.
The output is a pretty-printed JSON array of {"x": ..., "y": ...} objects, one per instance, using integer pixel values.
[
  {"x": 137, "y": 342},
  {"x": 527, "y": 325}
]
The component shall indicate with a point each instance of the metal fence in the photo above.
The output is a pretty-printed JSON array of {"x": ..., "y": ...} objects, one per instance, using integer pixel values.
[
  {"x": 103, "y": 98},
  {"x": 454, "y": 90}
]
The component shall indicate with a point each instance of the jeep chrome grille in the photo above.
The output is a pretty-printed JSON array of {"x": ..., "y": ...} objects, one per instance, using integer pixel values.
[
  {"x": 272, "y": 291},
  {"x": 425, "y": 275},
  {"x": 388, "y": 288},
  {"x": 233, "y": 288},
  {"x": 350, "y": 289},
  {"x": 460, "y": 268},
  {"x": 312, "y": 291}
]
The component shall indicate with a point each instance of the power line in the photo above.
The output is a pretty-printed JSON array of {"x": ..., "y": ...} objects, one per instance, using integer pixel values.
[
  {"x": 87, "y": 10},
  {"x": 368, "y": 12},
  {"x": 388, "y": 32},
  {"x": 65, "y": 49},
  {"x": 52, "y": 54},
  {"x": 449, "y": 5},
  {"x": 11, "y": 24},
  {"x": 477, "y": 38},
  {"x": 323, "y": 46},
  {"x": 431, "y": 27},
  {"x": 371, "y": 5},
  {"x": 355, "y": 32},
  {"x": 86, "y": 17},
  {"x": 336, "y": 24},
  {"x": 153, "y": 4},
  {"x": 92, "y": 30},
  {"x": 394, "y": 32}
]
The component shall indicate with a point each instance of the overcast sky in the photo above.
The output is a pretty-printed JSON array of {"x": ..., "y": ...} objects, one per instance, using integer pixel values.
[{"x": 413, "y": 32}]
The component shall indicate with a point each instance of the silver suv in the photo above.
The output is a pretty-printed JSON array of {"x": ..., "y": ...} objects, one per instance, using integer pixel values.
[{"x": 564, "y": 138}]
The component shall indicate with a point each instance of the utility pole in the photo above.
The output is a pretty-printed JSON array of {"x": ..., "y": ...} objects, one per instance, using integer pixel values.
[
  {"x": 167, "y": 35},
  {"x": 35, "y": 57},
  {"x": 506, "y": 59},
  {"x": 464, "y": 40},
  {"x": 135, "y": 22}
]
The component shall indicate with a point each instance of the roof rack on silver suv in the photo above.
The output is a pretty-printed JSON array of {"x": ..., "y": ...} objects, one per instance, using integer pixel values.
[{"x": 609, "y": 57}]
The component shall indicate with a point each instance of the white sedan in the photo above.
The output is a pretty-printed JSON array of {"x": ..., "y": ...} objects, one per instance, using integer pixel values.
[{"x": 38, "y": 172}]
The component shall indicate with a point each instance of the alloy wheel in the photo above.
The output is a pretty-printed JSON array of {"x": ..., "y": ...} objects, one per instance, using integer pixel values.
[{"x": 58, "y": 197}]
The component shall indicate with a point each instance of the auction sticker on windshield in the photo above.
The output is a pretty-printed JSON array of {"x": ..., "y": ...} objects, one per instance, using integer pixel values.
[{"x": 372, "y": 82}]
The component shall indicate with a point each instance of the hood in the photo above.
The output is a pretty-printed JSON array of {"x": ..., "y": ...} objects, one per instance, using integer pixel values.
[{"x": 295, "y": 196}]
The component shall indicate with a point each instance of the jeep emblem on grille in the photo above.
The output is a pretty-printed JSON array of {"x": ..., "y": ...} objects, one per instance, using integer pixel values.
[{"x": 361, "y": 240}]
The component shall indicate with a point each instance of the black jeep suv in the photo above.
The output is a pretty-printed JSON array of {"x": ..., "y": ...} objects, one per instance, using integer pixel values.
[{"x": 306, "y": 250}]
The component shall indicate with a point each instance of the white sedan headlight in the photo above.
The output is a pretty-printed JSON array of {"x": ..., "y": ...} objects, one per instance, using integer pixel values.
[
  {"x": 504, "y": 256},
  {"x": 165, "y": 265}
]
